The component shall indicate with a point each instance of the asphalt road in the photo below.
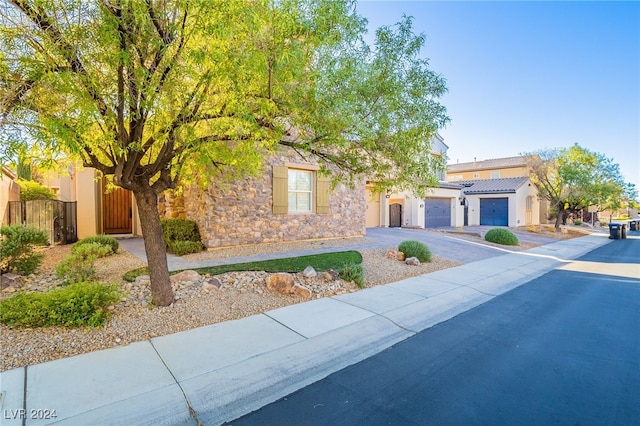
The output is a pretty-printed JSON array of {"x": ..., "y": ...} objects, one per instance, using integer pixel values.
[{"x": 562, "y": 349}]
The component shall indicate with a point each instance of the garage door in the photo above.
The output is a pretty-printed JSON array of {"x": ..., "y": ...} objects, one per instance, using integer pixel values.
[
  {"x": 437, "y": 212},
  {"x": 494, "y": 211}
]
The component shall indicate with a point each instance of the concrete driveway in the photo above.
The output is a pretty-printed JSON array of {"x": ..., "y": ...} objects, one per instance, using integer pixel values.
[{"x": 441, "y": 244}]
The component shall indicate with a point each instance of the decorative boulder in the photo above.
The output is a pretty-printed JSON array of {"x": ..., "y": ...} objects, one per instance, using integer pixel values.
[
  {"x": 285, "y": 284},
  {"x": 392, "y": 254},
  {"x": 400, "y": 256},
  {"x": 331, "y": 275},
  {"x": 309, "y": 272},
  {"x": 184, "y": 276},
  {"x": 10, "y": 280},
  {"x": 412, "y": 261},
  {"x": 143, "y": 279},
  {"x": 209, "y": 288}
]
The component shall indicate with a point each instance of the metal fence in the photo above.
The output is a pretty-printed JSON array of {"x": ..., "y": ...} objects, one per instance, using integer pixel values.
[{"x": 59, "y": 219}]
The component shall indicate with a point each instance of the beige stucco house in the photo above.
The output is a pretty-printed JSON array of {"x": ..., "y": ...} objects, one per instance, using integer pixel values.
[
  {"x": 495, "y": 170},
  {"x": 9, "y": 191},
  {"x": 501, "y": 202},
  {"x": 441, "y": 208}
]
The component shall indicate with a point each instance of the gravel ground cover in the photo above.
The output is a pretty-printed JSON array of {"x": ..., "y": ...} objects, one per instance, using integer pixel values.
[{"x": 240, "y": 294}]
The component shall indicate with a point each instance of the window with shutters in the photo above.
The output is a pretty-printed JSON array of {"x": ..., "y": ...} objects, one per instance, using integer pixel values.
[{"x": 300, "y": 190}]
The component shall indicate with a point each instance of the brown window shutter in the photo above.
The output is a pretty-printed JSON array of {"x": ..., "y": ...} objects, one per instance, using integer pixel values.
[
  {"x": 280, "y": 190},
  {"x": 323, "y": 189}
]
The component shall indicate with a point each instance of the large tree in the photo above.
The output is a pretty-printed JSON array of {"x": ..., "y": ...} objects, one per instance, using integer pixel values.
[
  {"x": 150, "y": 92},
  {"x": 573, "y": 179}
]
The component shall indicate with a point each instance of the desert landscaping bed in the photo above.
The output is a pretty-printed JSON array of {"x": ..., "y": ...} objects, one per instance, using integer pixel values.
[{"x": 240, "y": 294}]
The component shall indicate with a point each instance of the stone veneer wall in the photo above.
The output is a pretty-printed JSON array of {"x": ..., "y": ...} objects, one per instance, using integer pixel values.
[{"x": 241, "y": 212}]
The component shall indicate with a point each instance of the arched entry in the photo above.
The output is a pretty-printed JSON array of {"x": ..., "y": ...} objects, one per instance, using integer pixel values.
[{"x": 395, "y": 215}]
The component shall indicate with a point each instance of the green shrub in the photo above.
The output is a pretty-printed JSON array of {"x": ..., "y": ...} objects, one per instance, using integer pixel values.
[
  {"x": 105, "y": 240},
  {"x": 80, "y": 304},
  {"x": 17, "y": 245},
  {"x": 413, "y": 248},
  {"x": 178, "y": 231},
  {"x": 79, "y": 266},
  {"x": 175, "y": 229},
  {"x": 577, "y": 222},
  {"x": 180, "y": 248},
  {"x": 353, "y": 272},
  {"x": 501, "y": 236},
  {"x": 32, "y": 190}
]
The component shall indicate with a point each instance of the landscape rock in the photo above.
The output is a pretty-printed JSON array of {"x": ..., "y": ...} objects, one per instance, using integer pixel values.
[
  {"x": 214, "y": 281},
  {"x": 209, "y": 288},
  {"x": 285, "y": 284},
  {"x": 10, "y": 280},
  {"x": 186, "y": 276},
  {"x": 391, "y": 254},
  {"x": 331, "y": 275},
  {"x": 400, "y": 256},
  {"x": 412, "y": 261},
  {"x": 309, "y": 272},
  {"x": 142, "y": 279}
]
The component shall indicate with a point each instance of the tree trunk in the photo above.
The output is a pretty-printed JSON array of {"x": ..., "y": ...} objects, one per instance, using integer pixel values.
[
  {"x": 558, "y": 219},
  {"x": 155, "y": 248}
]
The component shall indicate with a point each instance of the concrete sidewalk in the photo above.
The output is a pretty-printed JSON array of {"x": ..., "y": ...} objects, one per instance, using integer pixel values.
[{"x": 220, "y": 372}]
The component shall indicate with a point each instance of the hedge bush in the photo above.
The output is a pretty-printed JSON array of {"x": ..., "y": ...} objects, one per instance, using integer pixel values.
[
  {"x": 17, "y": 244},
  {"x": 180, "y": 248},
  {"x": 501, "y": 236},
  {"x": 104, "y": 240},
  {"x": 178, "y": 233},
  {"x": 81, "y": 304},
  {"x": 175, "y": 229},
  {"x": 413, "y": 248}
]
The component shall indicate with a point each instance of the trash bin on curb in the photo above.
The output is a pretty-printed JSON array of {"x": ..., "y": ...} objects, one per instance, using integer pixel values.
[
  {"x": 623, "y": 232},
  {"x": 633, "y": 225},
  {"x": 615, "y": 231}
]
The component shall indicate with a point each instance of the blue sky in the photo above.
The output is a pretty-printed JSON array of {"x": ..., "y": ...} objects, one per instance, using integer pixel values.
[{"x": 524, "y": 76}]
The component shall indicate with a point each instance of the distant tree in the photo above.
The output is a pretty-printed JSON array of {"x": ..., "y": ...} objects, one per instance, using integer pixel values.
[
  {"x": 153, "y": 92},
  {"x": 573, "y": 179}
]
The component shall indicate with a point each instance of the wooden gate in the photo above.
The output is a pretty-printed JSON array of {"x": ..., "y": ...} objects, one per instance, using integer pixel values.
[{"x": 116, "y": 211}]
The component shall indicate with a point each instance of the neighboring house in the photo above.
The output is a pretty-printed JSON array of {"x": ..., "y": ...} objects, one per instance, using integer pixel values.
[
  {"x": 441, "y": 208},
  {"x": 501, "y": 202},
  {"x": 489, "y": 169},
  {"x": 9, "y": 191},
  {"x": 497, "y": 168}
]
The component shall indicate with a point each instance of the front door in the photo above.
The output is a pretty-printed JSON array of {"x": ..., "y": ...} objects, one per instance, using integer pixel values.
[
  {"x": 395, "y": 215},
  {"x": 116, "y": 210}
]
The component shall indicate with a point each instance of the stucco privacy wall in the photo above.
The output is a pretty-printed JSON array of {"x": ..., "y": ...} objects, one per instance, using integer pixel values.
[
  {"x": 9, "y": 191},
  {"x": 242, "y": 212}
]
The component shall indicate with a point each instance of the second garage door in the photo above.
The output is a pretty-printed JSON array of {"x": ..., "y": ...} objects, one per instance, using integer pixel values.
[
  {"x": 437, "y": 212},
  {"x": 494, "y": 211}
]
